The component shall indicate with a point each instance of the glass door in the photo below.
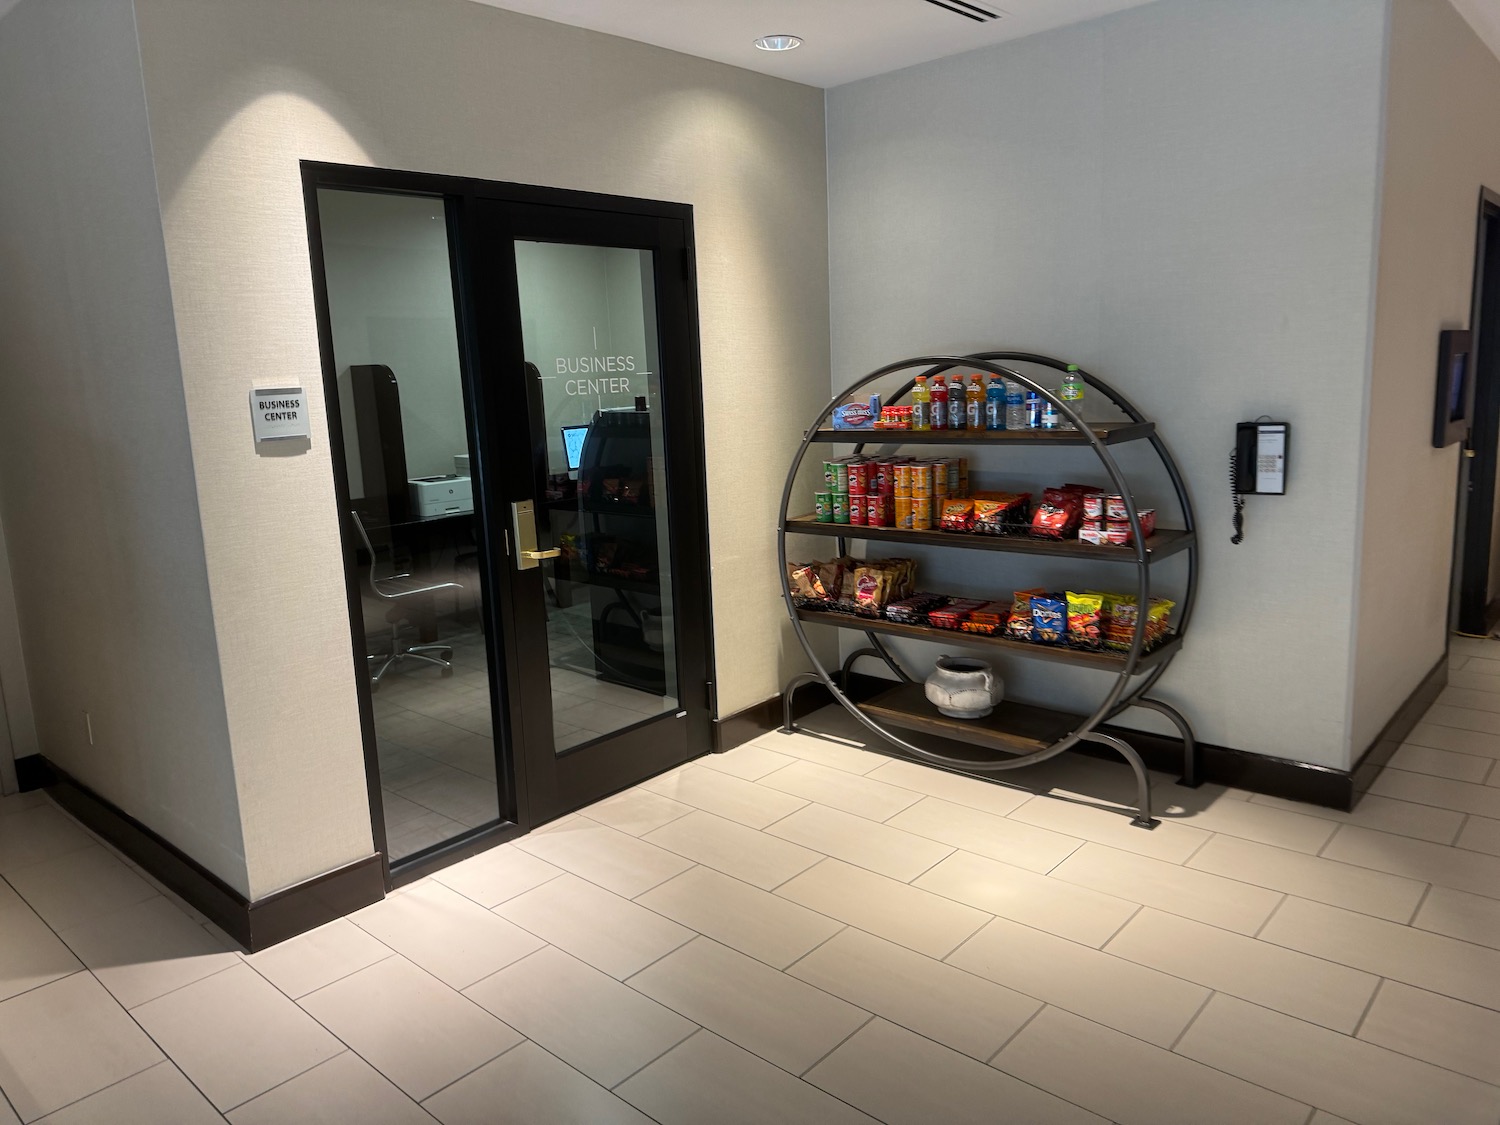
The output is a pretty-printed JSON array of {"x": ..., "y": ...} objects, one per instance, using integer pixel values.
[{"x": 607, "y": 528}]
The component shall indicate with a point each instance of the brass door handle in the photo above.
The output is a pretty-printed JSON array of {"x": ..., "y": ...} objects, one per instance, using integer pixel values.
[{"x": 551, "y": 554}]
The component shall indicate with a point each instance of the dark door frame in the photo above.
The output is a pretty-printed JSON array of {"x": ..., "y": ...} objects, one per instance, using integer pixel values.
[
  {"x": 1474, "y": 612},
  {"x": 479, "y": 285}
]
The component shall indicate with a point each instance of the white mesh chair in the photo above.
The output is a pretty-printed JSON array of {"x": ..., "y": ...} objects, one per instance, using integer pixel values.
[{"x": 397, "y": 588}]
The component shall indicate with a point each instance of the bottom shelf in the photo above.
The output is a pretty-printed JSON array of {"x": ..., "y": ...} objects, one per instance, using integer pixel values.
[{"x": 1012, "y": 728}]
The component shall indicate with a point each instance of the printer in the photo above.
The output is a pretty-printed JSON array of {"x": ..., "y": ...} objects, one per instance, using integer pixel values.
[{"x": 447, "y": 495}]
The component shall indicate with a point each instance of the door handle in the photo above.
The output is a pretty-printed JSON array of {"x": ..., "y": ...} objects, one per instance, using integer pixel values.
[
  {"x": 523, "y": 524},
  {"x": 538, "y": 555}
]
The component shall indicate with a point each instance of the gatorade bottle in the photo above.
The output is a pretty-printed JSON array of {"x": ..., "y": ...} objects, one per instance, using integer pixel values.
[
  {"x": 974, "y": 403},
  {"x": 1015, "y": 406},
  {"x": 921, "y": 405},
  {"x": 939, "y": 403},
  {"x": 994, "y": 405},
  {"x": 1072, "y": 393},
  {"x": 957, "y": 407}
]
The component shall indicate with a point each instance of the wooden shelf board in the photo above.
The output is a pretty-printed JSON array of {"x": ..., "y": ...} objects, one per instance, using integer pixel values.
[
  {"x": 1159, "y": 546},
  {"x": 1012, "y": 728}
]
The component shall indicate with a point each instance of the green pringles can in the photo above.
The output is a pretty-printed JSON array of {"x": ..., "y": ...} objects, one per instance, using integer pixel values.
[
  {"x": 840, "y": 507},
  {"x": 836, "y": 476},
  {"x": 823, "y": 506}
]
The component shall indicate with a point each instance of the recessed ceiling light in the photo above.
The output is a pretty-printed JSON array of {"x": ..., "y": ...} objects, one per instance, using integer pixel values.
[{"x": 778, "y": 42}]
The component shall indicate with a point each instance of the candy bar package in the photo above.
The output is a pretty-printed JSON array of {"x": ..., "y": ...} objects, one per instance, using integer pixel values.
[
  {"x": 987, "y": 620},
  {"x": 958, "y": 515},
  {"x": 1092, "y": 531},
  {"x": 914, "y": 610},
  {"x": 1085, "y": 625},
  {"x": 952, "y": 615},
  {"x": 1001, "y": 513},
  {"x": 1018, "y": 627},
  {"x": 1049, "y": 618}
]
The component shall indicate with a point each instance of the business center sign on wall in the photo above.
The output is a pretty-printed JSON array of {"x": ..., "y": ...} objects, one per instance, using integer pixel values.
[
  {"x": 277, "y": 413},
  {"x": 591, "y": 375}
]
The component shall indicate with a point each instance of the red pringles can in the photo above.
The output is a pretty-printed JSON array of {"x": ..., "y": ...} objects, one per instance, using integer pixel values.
[
  {"x": 858, "y": 509},
  {"x": 859, "y": 478},
  {"x": 878, "y": 509},
  {"x": 884, "y": 478}
]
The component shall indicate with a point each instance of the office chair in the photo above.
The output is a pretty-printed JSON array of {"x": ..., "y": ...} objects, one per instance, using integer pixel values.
[{"x": 397, "y": 588}]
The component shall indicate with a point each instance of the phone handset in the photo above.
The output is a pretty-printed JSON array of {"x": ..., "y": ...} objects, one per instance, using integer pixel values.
[{"x": 1257, "y": 465}]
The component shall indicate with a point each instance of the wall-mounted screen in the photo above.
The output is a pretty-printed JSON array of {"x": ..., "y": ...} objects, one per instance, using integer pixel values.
[
  {"x": 1455, "y": 389},
  {"x": 572, "y": 437}
]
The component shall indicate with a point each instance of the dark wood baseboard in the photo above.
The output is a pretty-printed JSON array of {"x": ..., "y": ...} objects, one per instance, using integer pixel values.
[
  {"x": 1394, "y": 733},
  {"x": 255, "y": 925},
  {"x": 1222, "y": 765}
]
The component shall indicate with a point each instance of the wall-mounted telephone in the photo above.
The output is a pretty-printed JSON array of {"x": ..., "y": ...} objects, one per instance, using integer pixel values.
[{"x": 1257, "y": 465}]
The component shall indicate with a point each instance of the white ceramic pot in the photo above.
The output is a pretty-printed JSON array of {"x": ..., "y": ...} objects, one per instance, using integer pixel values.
[{"x": 962, "y": 687}]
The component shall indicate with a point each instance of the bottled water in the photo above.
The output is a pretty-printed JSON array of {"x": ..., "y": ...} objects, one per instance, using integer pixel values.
[{"x": 1015, "y": 406}]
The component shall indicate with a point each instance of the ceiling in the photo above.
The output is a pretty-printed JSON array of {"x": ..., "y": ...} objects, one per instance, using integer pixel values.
[{"x": 843, "y": 39}]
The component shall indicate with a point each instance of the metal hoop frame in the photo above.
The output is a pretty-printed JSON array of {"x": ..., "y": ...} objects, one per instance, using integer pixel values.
[{"x": 1121, "y": 695}]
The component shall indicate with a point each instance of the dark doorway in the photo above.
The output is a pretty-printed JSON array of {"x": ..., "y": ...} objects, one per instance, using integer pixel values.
[
  {"x": 512, "y": 383},
  {"x": 1478, "y": 597}
]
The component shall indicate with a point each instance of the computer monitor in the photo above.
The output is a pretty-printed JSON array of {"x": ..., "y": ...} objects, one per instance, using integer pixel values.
[{"x": 573, "y": 445}]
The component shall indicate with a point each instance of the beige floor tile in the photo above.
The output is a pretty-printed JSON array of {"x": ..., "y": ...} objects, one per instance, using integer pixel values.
[
  {"x": 731, "y": 797},
  {"x": 1463, "y": 718},
  {"x": 345, "y": 1089},
  {"x": 1383, "y": 814},
  {"x": 615, "y": 860},
  {"x": 1261, "y": 823},
  {"x": 1476, "y": 682},
  {"x": 1432, "y": 961},
  {"x": 501, "y": 873},
  {"x": 21, "y": 802},
  {"x": 778, "y": 1017},
  {"x": 1226, "y": 903},
  {"x": 1323, "y": 879},
  {"x": 1417, "y": 859},
  {"x": 904, "y": 1079},
  {"x": 865, "y": 843},
  {"x": 1099, "y": 986},
  {"x": 156, "y": 1096},
  {"x": 410, "y": 1026},
  {"x": 235, "y": 1036},
  {"x": 709, "y": 1079},
  {"x": 528, "y": 1086},
  {"x": 986, "y": 796},
  {"x": 1481, "y": 834},
  {"x": 751, "y": 761},
  {"x": 1171, "y": 840},
  {"x": 311, "y": 960},
  {"x": 147, "y": 950},
  {"x": 1452, "y": 738},
  {"x": 748, "y": 854},
  {"x": 637, "y": 811},
  {"x": 30, "y": 953},
  {"x": 1461, "y": 915},
  {"x": 1134, "y": 1083},
  {"x": 1353, "y": 1079},
  {"x": 7, "y": 1115},
  {"x": 836, "y": 788},
  {"x": 608, "y": 932},
  {"x": 1073, "y": 912},
  {"x": 824, "y": 749},
  {"x": 586, "y": 1018},
  {"x": 986, "y": 834},
  {"x": 37, "y": 834},
  {"x": 64, "y": 1041},
  {"x": 441, "y": 931},
  {"x": 1300, "y": 985},
  {"x": 768, "y": 928},
  {"x": 953, "y": 1007},
  {"x": 79, "y": 886},
  {"x": 1455, "y": 696},
  {"x": 906, "y": 915},
  {"x": 1441, "y": 763},
  {"x": 1438, "y": 1029},
  {"x": 1462, "y": 796},
  {"x": 1323, "y": 1117}
]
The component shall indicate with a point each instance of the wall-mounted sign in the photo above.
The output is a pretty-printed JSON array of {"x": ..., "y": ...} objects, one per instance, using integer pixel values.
[{"x": 279, "y": 412}]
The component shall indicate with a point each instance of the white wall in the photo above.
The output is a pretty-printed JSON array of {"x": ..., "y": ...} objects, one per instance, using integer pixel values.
[
  {"x": 1182, "y": 199},
  {"x": 238, "y": 94},
  {"x": 1443, "y": 118},
  {"x": 96, "y": 471}
]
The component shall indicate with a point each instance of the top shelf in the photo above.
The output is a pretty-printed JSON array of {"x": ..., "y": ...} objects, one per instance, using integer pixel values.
[{"x": 1110, "y": 433}]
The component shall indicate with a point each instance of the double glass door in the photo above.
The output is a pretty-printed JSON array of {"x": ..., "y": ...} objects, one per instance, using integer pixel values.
[{"x": 514, "y": 400}]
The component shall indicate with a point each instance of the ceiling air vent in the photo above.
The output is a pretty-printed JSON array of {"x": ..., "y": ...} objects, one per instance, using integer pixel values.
[{"x": 968, "y": 11}]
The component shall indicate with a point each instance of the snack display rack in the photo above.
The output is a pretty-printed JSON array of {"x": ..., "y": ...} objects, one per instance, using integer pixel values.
[{"x": 1014, "y": 735}]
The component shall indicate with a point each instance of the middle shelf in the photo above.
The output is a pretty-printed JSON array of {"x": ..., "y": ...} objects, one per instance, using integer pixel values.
[
  {"x": 1158, "y": 546},
  {"x": 1106, "y": 660}
]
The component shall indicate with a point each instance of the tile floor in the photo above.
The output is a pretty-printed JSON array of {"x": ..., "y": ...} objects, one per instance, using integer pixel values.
[{"x": 805, "y": 931}]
